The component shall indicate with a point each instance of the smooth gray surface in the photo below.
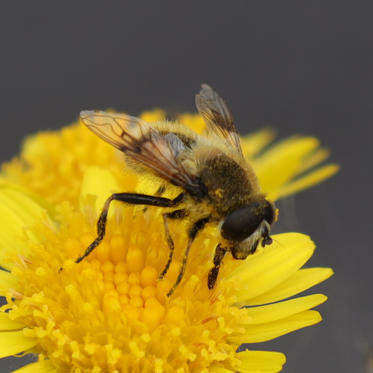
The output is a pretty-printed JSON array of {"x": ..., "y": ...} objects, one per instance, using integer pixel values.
[{"x": 299, "y": 66}]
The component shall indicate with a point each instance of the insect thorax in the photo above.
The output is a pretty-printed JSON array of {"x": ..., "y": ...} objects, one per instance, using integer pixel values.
[{"x": 228, "y": 183}]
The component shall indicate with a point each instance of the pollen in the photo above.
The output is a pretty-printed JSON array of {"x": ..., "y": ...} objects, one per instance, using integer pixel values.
[
  {"x": 219, "y": 192},
  {"x": 129, "y": 287}
]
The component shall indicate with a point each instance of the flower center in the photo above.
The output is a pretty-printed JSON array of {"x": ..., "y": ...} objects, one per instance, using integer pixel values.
[
  {"x": 129, "y": 283},
  {"x": 111, "y": 311}
]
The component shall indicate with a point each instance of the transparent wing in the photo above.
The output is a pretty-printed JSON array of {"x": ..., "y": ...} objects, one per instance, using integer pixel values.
[
  {"x": 218, "y": 118},
  {"x": 137, "y": 139}
]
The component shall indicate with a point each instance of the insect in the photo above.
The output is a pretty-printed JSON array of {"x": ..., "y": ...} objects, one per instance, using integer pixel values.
[{"x": 218, "y": 185}]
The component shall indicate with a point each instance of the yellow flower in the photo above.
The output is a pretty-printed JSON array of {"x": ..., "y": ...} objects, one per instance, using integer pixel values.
[{"x": 110, "y": 313}]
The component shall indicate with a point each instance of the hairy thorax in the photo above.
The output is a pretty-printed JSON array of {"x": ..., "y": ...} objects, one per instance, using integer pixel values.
[{"x": 229, "y": 184}]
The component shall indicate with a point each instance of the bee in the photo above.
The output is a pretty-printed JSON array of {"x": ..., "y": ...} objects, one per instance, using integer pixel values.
[{"x": 218, "y": 186}]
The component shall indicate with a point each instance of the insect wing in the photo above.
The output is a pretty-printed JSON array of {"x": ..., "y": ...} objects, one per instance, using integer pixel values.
[
  {"x": 218, "y": 118},
  {"x": 137, "y": 139},
  {"x": 116, "y": 129}
]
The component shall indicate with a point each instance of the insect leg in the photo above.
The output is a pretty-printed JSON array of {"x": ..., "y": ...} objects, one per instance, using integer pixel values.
[
  {"x": 177, "y": 214},
  {"x": 196, "y": 227},
  {"x": 130, "y": 198},
  {"x": 214, "y": 271}
]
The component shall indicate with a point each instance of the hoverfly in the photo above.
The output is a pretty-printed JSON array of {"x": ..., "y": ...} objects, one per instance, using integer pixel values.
[{"x": 218, "y": 185}]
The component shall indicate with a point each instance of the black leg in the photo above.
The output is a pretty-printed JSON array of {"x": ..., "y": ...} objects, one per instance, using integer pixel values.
[
  {"x": 130, "y": 198},
  {"x": 196, "y": 227},
  {"x": 213, "y": 274},
  {"x": 177, "y": 214}
]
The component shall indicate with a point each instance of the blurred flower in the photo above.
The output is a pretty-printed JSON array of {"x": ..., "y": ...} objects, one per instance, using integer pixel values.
[{"x": 110, "y": 313}]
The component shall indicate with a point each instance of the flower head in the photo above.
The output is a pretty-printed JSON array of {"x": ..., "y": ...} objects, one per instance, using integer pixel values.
[{"x": 110, "y": 313}]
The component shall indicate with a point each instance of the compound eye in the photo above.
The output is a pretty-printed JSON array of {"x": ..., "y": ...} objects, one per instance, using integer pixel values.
[
  {"x": 241, "y": 223},
  {"x": 268, "y": 212}
]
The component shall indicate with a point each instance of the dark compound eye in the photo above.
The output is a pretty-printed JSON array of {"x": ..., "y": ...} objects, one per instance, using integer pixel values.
[
  {"x": 243, "y": 222},
  {"x": 268, "y": 212}
]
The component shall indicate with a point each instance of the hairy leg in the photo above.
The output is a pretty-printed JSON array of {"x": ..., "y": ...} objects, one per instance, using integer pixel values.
[
  {"x": 132, "y": 199},
  {"x": 196, "y": 227},
  {"x": 177, "y": 214},
  {"x": 214, "y": 271}
]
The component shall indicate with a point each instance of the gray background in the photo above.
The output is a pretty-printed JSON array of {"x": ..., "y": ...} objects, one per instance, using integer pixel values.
[{"x": 299, "y": 66}]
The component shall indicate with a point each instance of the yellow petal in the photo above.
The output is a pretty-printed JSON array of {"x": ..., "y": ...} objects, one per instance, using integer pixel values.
[
  {"x": 277, "y": 311},
  {"x": 272, "y": 265},
  {"x": 280, "y": 163},
  {"x": 314, "y": 159},
  {"x": 97, "y": 183},
  {"x": 254, "y": 143},
  {"x": 7, "y": 281},
  {"x": 7, "y": 324},
  {"x": 43, "y": 366},
  {"x": 21, "y": 205},
  {"x": 18, "y": 212},
  {"x": 268, "y": 331},
  {"x": 295, "y": 284},
  {"x": 153, "y": 115},
  {"x": 42, "y": 203},
  {"x": 12, "y": 343},
  {"x": 221, "y": 370},
  {"x": 261, "y": 361},
  {"x": 193, "y": 121},
  {"x": 304, "y": 182}
]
